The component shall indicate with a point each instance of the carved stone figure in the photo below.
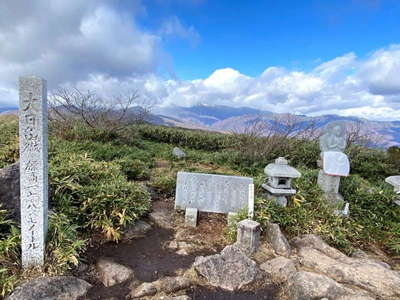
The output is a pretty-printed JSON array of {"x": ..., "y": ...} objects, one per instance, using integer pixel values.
[
  {"x": 335, "y": 163},
  {"x": 334, "y": 138}
]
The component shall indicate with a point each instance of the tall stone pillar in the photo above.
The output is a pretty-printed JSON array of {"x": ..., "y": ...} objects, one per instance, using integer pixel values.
[{"x": 33, "y": 169}]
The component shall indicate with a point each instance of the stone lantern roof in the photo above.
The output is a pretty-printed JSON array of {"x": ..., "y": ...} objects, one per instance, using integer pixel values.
[{"x": 281, "y": 169}]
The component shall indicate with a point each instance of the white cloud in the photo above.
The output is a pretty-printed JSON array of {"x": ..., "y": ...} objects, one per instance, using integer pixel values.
[
  {"x": 68, "y": 40},
  {"x": 96, "y": 45},
  {"x": 173, "y": 27},
  {"x": 338, "y": 86},
  {"x": 381, "y": 71}
]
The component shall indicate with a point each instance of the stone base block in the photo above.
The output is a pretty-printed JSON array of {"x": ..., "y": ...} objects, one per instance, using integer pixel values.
[
  {"x": 329, "y": 184},
  {"x": 191, "y": 217},
  {"x": 248, "y": 236}
]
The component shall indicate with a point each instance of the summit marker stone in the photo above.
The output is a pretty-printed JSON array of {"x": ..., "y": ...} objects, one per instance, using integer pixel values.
[
  {"x": 33, "y": 169},
  {"x": 212, "y": 193}
]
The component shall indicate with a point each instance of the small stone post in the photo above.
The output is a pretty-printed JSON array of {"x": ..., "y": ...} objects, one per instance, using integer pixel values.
[
  {"x": 251, "y": 201},
  {"x": 33, "y": 169},
  {"x": 248, "y": 235},
  {"x": 191, "y": 216}
]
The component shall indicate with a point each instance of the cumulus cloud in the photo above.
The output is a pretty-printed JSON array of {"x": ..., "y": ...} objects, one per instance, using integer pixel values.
[
  {"x": 96, "y": 45},
  {"x": 345, "y": 85},
  {"x": 65, "y": 41}
]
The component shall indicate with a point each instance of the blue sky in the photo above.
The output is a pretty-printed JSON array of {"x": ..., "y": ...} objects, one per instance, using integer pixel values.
[
  {"x": 251, "y": 35},
  {"x": 308, "y": 57}
]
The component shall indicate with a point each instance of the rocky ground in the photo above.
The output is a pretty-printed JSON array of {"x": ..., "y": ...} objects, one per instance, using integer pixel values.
[{"x": 160, "y": 258}]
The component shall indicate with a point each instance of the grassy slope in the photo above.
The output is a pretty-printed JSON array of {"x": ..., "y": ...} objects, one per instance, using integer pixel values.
[{"x": 97, "y": 180}]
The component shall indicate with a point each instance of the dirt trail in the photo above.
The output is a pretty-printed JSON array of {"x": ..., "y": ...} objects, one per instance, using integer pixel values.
[{"x": 151, "y": 258}]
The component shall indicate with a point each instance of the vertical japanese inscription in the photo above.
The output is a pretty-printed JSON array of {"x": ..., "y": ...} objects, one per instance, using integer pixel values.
[{"x": 33, "y": 168}]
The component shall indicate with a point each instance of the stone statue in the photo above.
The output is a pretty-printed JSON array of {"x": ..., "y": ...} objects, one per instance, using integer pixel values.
[
  {"x": 334, "y": 138},
  {"x": 334, "y": 162}
]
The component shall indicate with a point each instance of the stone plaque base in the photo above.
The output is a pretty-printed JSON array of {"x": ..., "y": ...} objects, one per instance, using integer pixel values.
[
  {"x": 191, "y": 217},
  {"x": 328, "y": 183}
]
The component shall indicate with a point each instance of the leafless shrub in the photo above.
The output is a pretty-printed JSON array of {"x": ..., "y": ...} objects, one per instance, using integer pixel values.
[
  {"x": 359, "y": 134},
  {"x": 112, "y": 114},
  {"x": 265, "y": 137}
]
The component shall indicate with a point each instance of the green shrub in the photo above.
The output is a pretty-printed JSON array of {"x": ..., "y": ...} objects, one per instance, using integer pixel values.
[
  {"x": 164, "y": 184},
  {"x": 371, "y": 164},
  {"x": 195, "y": 139},
  {"x": 134, "y": 169},
  {"x": 95, "y": 195},
  {"x": 64, "y": 245},
  {"x": 10, "y": 241},
  {"x": 394, "y": 156},
  {"x": 373, "y": 212},
  {"x": 78, "y": 131}
]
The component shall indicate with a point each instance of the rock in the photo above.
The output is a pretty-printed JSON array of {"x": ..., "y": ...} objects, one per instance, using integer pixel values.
[
  {"x": 229, "y": 270},
  {"x": 111, "y": 273},
  {"x": 306, "y": 285},
  {"x": 9, "y": 189},
  {"x": 314, "y": 241},
  {"x": 182, "y": 252},
  {"x": 178, "y": 153},
  {"x": 277, "y": 240},
  {"x": 82, "y": 268},
  {"x": 162, "y": 218},
  {"x": 145, "y": 289},
  {"x": 279, "y": 269},
  {"x": 139, "y": 229},
  {"x": 172, "y": 284},
  {"x": 183, "y": 297},
  {"x": 173, "y": 245},
  {"x": 51, "y": 288},
  {"x": 264, "y": 253},
  {"x": 358, "y": 253},
  {"x": 366, "y": 274}
]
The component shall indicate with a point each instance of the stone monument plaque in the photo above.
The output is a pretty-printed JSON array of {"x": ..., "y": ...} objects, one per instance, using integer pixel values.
[
  {"x": 335, "y": 163},
  {"x": 212, "y": 193},
  {"x": 33, "y": 169}
]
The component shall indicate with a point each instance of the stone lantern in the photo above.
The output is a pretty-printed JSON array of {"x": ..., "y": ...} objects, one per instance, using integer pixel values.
[{"x": 279, "y": 181}]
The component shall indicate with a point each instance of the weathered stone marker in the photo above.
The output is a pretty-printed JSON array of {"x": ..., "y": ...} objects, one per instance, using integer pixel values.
[
  {"x": 33, "y": 169},
  {"x": 334, "y": 162},
  {"x": 212, "y": 193},
  {"x": 248, "y": 235}
]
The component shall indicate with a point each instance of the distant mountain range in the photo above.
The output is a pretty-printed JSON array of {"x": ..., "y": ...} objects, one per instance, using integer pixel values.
[{"x": 238, "y": 119}]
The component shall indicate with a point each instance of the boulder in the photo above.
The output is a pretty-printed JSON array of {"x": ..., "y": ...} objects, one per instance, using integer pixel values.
[
  {"x": 145, "y": 289},
  {"x": 139, "y": 229},
  {"x": 316, "y": 242},
  {"x": 9, "y": 189},
  {"x": 277, "y": 240},
  {"x": 51, "y": 288},
  {"x": 111, "y": 273},
  {"x": 306, "y": 285},
  {"x": 230, "y": 270},
  {"x": 172, "y": 284},
  {"x": 279, "y": 269},
  {"x": 178, "y": 153},
  {"x": 365, "y": 274}
]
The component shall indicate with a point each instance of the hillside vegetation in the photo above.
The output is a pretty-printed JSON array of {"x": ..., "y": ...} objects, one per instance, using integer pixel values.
[{"x": 98, "y": 185}]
